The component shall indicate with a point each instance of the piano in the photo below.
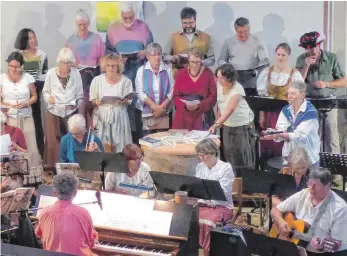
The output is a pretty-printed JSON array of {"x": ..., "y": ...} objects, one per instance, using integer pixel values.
[
  {"x": 16, "y": 250},
  {"x": 123, "y": 240}
]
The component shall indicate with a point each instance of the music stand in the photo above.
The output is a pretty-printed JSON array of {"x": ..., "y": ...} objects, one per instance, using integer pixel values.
[
  {"x": 260, "y": 182},
  {"x": 198, "y": 188},
  {"x": 337, "y": 163},
  {"x": 103, "y": 162},
  {"x": 267, "y": 246}
]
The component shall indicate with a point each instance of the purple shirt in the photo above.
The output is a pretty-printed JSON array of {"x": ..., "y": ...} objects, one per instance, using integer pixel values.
[{"x": 87, "y": 51}]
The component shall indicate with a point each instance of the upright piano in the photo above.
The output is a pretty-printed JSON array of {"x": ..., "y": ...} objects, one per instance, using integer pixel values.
[{"x": 164, "y": 228}]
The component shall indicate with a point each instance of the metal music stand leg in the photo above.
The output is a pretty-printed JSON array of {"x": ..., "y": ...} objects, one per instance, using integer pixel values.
[{"x": 324, "y": 116}]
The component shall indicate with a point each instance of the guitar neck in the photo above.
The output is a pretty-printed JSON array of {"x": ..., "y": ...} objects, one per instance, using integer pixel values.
[{"x": 302, "y": 236}]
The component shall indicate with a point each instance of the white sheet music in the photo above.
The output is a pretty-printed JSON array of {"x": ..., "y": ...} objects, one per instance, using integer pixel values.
[
  {"x": 120, "y": 212},
  {"x": 5, "y": 143}
]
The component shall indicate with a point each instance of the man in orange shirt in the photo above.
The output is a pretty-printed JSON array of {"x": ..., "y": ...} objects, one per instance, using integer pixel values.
[{"x": 63, "y": 226}]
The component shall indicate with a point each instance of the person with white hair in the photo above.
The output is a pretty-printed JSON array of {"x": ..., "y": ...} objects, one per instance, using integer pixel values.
[
  {"x": 154, "y": 86},
  {"x": 77, "y": 140},
  {"x": 129, "y": 37},
  {"x": 63, "y": 226},
  {"x": 323, "y": 75},
  {"x": 88, "y": 48},
  {"x": 18, "y": 93},
  {"x": 298, "y": 123},
  {"x": 63, "y": 93}
]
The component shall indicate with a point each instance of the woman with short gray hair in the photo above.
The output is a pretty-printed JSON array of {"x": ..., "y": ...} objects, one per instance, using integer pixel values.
[
  {"x": 298, "y": 123},
  {"x": 154, "y": 85},
  {"x": 213, "y": 211},
  {"x": 88, "y": 49},
  {"x": 63, "y": 217},
  {"x": 78, "y": 139},
  {"x": 65, "y": 186},
  {"x": 63, "y": 92}
]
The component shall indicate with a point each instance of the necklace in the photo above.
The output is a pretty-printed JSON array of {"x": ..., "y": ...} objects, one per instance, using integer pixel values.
[{"x": 198, "y": 73}]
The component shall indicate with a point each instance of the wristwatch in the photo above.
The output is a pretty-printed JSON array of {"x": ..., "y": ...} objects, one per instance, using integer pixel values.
[
  {"x": 327, "y": 85},
  {"x": 217, "y": 125}
]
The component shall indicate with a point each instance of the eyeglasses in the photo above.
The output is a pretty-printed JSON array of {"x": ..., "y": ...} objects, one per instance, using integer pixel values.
[
  {"x": 191, "y": 23},
  {"x": 111, "y": 66},
  {"x": 14, "y": 67},
  {"x": 195, "y": 62}
]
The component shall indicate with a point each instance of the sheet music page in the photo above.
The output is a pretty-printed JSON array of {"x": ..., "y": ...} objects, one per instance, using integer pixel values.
[
  {"x": 158, "y": 222},
  {"x": 44, "y": 202},
  {"x": 190, "y": 102},
  {"x": 6, "y": 199},
  {"x": 5, "y": 142}
]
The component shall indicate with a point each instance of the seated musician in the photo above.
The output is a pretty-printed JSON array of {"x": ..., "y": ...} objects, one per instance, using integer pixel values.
[
  {"x": 138, "y": 175},
  {"x": 299, "y": 123},
  {"x": 319, "y": 207},
  {"x": 76, "y": 140},
  {"x": 18, "y": 144},
  {"x": 213, "y": 211},
  {"x": 63, "y": 226},
  {"x": 298, "y": 166}
]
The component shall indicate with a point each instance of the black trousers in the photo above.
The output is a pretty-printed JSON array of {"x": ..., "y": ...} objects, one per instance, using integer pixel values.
[{"x": 36, "y": 107}]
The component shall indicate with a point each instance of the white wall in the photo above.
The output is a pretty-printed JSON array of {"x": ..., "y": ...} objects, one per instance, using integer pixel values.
[{"x": 275, "y": 22}]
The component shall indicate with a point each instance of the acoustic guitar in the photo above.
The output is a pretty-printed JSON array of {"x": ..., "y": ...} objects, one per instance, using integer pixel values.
[{"x": 298, "y": 234}]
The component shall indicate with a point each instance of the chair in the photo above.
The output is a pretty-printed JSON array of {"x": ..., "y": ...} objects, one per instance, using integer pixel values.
[{"x": 237, "y": 196}]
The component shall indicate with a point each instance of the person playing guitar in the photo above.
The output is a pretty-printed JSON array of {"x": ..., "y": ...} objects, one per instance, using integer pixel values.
[{"x": 319, "y": 207}]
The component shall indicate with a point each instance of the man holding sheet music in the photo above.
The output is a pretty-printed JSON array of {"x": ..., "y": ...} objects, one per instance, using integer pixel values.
[{"x": 63, "y": 226}]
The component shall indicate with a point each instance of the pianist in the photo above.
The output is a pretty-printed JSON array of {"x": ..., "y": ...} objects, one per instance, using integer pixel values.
[
  {"x": 76, "y": 140},
  {"x": 299, "y": 123},
  {"x": 211, "y": 212},
  {"x": 139, "y": 173},
  {"x": 63, "y": 226}
]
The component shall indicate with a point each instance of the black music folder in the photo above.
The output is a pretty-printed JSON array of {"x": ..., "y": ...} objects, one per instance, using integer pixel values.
[
  {"x": 16, "y": 250},
  {"x": 198, "y": 188}
]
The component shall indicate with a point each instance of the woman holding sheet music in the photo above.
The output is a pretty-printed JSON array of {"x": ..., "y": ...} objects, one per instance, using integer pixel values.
[
  {"x": 88, "y": 49},
  {"x": 63, "y": 93},
  {"x": 111, "y": 93}
]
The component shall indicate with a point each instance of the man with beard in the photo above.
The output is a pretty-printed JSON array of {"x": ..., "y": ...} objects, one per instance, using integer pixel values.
[
  {"x": 129, "y": 37},
  {"x": 189, "y": 37},
  {"x": 248, "y": 55},
  {"x": 322, "y": 74}
]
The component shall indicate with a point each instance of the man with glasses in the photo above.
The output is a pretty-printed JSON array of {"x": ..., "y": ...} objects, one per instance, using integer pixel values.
[
  {"x": 154, "y": 86},
  {"x": 321, "y": 208},
  {"x": 247, "y": 53},
  {"x": 189, "y": 37}
]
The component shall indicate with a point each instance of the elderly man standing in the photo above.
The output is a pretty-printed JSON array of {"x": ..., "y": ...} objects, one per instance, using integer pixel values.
[
  {"x": 63, "y": 226},
  {"x": 323, "y": 75},
  {"x": 154, "y": 86},
  {"x": 129, "y": 37},
  {"x": 181, "y": 42},
  {"x": 247, "y": 53}
]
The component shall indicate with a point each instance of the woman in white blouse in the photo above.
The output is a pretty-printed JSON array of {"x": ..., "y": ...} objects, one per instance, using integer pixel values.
[
  {"x": 111, "y": 93},
  {"x": 213, "y": 211},
  {"x": 18, "y": 93},
  {"x": 138, "y": 175},
  {"x": 63, "y": 92},
  {"x": 274, "y": 82}
]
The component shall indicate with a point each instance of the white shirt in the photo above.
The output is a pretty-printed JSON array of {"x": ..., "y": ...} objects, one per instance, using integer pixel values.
[
  {"x": 242, "y": 115},
  {"x": 142, "y": 177},
  {"x": 333, "y": 222},
  {"x": 276, "y": 79},
  {"x": 71, "y": 94},
  {"x": 14, "y": 93},
  {"x": 305, "y": 135},
  {"x": 156, "y": 84},
  {"x": 222, "y": 172}
]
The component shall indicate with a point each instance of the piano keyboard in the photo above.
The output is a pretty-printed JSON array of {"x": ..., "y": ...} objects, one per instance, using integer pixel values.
[{"x": 129, "y": 249}]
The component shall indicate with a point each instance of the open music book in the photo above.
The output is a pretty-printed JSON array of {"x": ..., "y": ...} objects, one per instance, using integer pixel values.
[
  {"x": 114, "y": 99},
  {"x": 131, "y": 213},
  {"x": 18, "y": 199}
]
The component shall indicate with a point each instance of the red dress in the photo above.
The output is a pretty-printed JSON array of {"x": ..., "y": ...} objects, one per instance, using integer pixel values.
[{"x": 205, "y": 88}]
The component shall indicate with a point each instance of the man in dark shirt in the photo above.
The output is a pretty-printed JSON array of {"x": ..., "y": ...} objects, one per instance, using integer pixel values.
[{"x": 323, "y": 75}]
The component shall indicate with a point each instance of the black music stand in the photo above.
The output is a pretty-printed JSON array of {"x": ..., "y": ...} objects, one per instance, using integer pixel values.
[
  {"x": 267, "y": 183},
  {"x": 258, "y": 104},
  {"x": 100, "y": 161},
  {"x": 198, "y": 188},
  {"x": 15, "y": 250},
  {"x": 267, "y": 246},
  {"x": 337, "y": 163}
]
